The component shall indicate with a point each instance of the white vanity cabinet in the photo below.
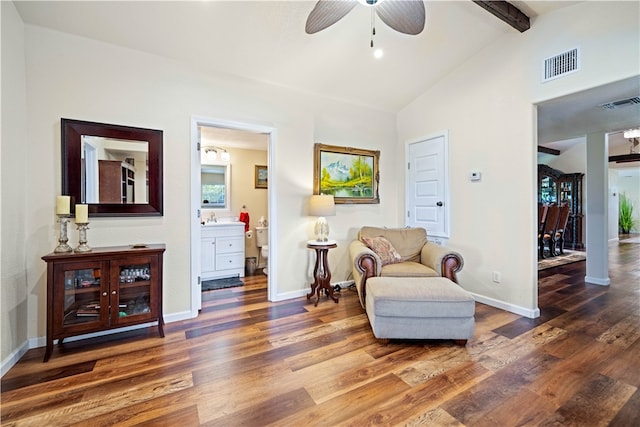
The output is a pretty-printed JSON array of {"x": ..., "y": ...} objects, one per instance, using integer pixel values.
[{"x": 222, "y": 250}]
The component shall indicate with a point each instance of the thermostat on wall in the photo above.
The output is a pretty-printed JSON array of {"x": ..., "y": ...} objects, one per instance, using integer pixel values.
[{"x": 475, "y": 176}]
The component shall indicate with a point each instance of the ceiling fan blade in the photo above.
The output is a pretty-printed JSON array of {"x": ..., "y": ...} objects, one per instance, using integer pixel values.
[
  {"x": 326, "y": 13},
  {"x": 405, "y": 16}
]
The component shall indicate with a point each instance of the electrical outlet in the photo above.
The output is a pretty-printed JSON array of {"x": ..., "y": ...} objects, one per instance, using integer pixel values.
[{"x": 496, "y": 277}]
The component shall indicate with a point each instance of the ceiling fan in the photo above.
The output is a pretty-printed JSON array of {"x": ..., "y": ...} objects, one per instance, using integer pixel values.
[{"x": 405, "y": 16}]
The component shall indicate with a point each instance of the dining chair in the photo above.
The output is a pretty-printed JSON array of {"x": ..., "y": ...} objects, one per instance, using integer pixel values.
[{"x": 550, "y": 228}]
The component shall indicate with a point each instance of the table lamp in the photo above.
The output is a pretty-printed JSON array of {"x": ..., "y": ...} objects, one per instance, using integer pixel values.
[{"x": 322, "y": 205}]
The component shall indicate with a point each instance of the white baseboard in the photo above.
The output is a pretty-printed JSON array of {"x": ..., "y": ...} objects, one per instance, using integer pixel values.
[
  {"x": 292, "y": 294},
  {"x": 13, "y": 358},
  {"x": 177, "y": 317},
  {"x": 512, "y": 308},
  {"x": 597, "y": 281}
]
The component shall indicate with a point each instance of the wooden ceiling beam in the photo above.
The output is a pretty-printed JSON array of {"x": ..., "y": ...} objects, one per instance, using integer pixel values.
[
  {"x": 546, "y": 150},
  {"x": 507, "y": 12},
  {"x": 625, "y": 158}
]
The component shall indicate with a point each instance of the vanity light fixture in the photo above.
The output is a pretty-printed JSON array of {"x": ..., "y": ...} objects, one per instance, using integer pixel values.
[{"x": 211, "y": 153}]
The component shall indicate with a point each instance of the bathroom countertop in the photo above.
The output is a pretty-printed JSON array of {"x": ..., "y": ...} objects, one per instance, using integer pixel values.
[{"x": 222, "y": 223}]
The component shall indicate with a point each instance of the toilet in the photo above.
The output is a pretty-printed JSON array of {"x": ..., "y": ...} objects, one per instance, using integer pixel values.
[{"x": 262, "y": 241}]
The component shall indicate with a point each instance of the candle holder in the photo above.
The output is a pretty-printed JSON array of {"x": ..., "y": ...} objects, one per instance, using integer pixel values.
[
  {"x": 63, "y": 239},
  {"x": 82, "y": 237}
]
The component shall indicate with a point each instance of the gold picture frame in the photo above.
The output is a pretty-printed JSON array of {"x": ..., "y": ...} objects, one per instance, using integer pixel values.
[
  {"x": 350, "y": 174},
  {"x": 261, "y": 176}
]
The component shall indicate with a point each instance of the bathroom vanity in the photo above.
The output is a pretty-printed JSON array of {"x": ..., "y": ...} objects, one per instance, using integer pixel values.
[{"x": 222, "y": 250}]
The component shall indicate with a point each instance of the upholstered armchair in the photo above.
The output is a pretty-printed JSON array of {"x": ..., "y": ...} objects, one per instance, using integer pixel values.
[{"x": 399, "y": 252}]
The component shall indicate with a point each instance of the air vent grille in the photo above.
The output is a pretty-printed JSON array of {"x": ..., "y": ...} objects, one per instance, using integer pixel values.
[
  {"x": 614, "y": 105},
  {"x": 560, "y": 65}
]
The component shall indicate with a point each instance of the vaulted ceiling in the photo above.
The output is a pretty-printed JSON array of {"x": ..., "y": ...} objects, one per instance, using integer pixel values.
[{"x": 266, "y": 41}]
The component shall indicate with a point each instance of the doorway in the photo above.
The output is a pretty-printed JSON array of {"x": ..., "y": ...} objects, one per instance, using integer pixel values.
[
  {"x": 589, "y": 114},
  {"x": 226, "y": 140}
]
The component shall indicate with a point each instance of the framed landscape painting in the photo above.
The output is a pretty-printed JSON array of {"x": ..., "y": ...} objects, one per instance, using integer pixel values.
[
  {"x": 349, "y": 174},
  {"x": 261, "y": 175}
]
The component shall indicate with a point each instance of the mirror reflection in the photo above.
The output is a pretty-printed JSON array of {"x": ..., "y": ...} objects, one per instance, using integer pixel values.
[
  {"x": 114, "y": 170},
  {"x": 215, "y": 186}
]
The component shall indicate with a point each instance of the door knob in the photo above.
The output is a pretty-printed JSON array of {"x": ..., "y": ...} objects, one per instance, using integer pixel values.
[{"x": 439, "y": 204}]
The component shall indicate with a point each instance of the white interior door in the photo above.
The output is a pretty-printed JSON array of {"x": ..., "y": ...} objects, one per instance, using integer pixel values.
[{"x": 427, "y": 187}]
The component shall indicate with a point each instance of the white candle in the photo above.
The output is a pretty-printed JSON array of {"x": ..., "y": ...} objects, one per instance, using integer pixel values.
[
  {"x": 62, "y": 205},
  {"x": 82, "y": 214}
]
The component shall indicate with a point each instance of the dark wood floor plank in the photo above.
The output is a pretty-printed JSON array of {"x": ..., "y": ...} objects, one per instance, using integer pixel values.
[
  {"x": 629, "y": 414},
  {"x": 596, "y": 403},
  {"x": 625, "y": 366},
  {"x": 564, "y": 379},
  {"x": 47, "y": 375},
  {"x": 247, "y": 361}
]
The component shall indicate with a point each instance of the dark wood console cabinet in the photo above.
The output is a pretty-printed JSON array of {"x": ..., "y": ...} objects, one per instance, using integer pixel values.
[
  {"x": 106, "y": 288},
  {"x": 555, "y": 186}
]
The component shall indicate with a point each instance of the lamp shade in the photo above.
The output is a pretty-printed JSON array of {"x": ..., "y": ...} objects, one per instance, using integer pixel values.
[{"x": 322, "y": 205}]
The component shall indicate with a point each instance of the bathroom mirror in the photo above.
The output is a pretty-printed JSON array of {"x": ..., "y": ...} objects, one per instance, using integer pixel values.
[
  {"x": 215, "y": 186},
  {"x": 116, "y": 170}
]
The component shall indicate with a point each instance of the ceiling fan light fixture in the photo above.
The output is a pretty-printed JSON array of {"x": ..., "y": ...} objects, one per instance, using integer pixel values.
[
  {"x": 632, "y": 133},
  {"x": 370, "y": 2},
  {"x": 378, "y": 53},
  {"x": 404, "y": 16}
]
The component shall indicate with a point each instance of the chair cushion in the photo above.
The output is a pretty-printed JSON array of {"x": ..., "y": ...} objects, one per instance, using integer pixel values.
[
  {"x": 408, "y": 269},
  {"x": 383, "y": 248},
  {"x": 418, "y": 297},
  {"x": 407, "y": 241}
]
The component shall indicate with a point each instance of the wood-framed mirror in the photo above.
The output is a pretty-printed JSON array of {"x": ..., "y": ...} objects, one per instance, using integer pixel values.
[{"x": 116, "y": 170}]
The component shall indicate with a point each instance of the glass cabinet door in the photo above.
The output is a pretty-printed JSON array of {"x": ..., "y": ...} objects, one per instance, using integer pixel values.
[
  {"x": 134, "y": 299},
  {"x": 566, "y": 192},
  {"x": 84, "y": 301},
  {"x": 548, "y": 190}
]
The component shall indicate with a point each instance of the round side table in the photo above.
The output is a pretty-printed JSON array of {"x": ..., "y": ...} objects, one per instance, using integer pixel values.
[{"x": 321, "y": 272}]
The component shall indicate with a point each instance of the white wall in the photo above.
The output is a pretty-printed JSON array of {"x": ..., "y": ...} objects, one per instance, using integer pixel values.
[
  {"x": 73, "y": 77},
  {"x": 14, "y": 178},
  {"x": 488, "y": 107},
  {"x": 628, "y": 183},
  {"x": 571, "y": 160}
]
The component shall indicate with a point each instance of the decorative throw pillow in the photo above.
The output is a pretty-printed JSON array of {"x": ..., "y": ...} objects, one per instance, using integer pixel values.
[{"x": 383, "y": 248}]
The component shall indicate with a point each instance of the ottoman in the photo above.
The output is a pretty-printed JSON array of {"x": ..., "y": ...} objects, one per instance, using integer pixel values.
[{"x": 419, "y": 308}]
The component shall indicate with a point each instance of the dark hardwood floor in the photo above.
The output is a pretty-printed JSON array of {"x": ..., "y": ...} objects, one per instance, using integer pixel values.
[{"x": 245, "y": 361}]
